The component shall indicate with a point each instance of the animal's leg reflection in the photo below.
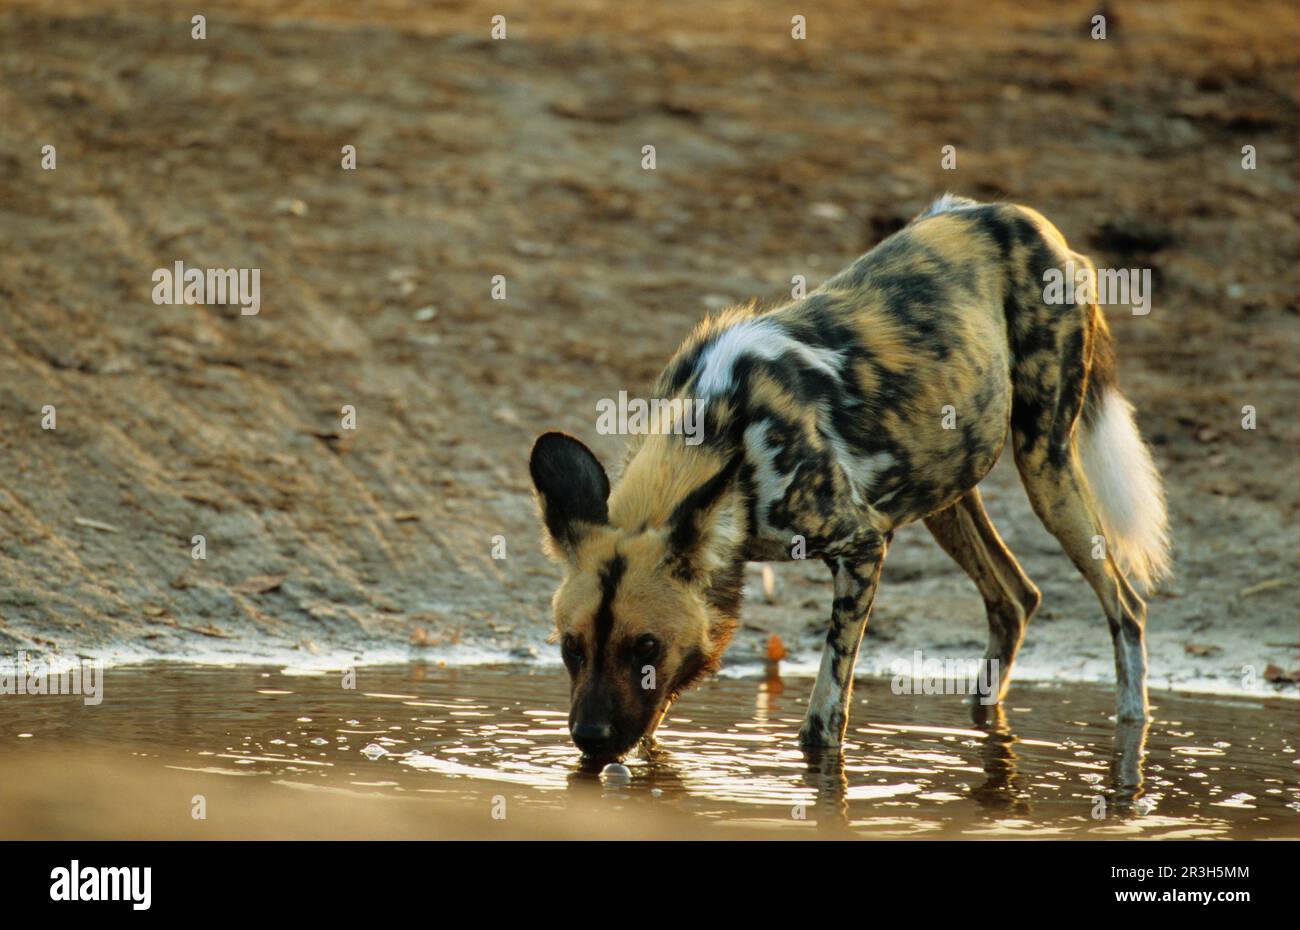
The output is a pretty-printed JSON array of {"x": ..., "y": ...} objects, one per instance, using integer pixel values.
[
  {"x": 1004, "y": 788},
  {"x": 824, "y": 773},
  {"x": 1127, "y": 763}
]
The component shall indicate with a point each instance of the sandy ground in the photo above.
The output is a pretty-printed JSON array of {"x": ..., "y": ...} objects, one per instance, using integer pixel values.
[{"x": 522, "y": 158}]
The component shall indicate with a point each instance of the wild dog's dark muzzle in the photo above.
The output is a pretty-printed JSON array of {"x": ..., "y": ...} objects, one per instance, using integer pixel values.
[
  {"x": 594, "y": 739},
  {"x": 603, "y": 728}
]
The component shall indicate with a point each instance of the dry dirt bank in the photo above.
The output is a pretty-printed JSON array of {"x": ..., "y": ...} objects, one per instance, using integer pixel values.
[{"x": 522, "y": 158}]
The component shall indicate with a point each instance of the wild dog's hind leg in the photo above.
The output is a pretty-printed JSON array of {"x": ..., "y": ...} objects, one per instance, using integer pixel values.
[
  {"x": 1051, "y": 389},
  {"x": 856, "y": 569},
  {"x": 1057, "y": 495},
  {"x": 965, "y": 532}
]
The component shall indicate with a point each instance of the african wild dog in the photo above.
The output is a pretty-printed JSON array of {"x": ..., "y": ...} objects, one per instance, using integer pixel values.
[{"x": 824, "y": 420}]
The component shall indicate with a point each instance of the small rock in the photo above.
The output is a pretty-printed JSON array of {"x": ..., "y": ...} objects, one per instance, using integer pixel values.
[
  {"x": 1274, "y": 674},
  {"x": 531, "y": 248},
  {"x": 260, "y": 584},
  {"x": 827, "y": 211},
  {"x": 291, "y": 206},
  {"x": 506, "y": 415},
  {"x": 95, "y": 525}
]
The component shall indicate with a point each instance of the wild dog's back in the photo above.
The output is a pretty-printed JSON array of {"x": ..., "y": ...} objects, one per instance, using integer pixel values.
[{"x": 898, "y": 369}]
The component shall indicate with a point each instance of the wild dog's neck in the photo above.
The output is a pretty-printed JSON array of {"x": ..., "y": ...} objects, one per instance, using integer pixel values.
[
  {"x": 695, "y": 495},
  {"x": 658, "y": 477}
]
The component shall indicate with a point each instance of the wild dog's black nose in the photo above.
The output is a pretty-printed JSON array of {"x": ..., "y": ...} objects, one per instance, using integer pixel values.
[{"x": 593, "y": 738}]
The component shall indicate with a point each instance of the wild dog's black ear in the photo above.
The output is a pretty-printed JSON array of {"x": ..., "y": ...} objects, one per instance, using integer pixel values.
[
  {"x": 572, "y": 489},
  {"x": 703, "y": 529}
]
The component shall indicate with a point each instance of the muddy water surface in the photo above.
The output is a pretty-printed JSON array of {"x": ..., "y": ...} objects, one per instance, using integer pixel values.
[{"x": 487, "y": 743}]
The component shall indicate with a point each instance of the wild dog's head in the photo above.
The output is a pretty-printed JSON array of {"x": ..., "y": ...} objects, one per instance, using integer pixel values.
[{"x": 651, "y": 587}]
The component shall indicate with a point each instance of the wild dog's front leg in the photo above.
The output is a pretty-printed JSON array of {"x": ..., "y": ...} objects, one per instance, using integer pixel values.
[{"x": 856, "y": 570}]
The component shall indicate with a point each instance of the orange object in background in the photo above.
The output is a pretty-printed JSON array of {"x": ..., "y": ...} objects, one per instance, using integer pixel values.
[{"x": 775, "y": 649}]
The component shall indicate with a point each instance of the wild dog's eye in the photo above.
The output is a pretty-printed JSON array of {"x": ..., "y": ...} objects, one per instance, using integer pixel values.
[
  {"x": 645, "y": 648},
  {"x": 570, "y": 652}
]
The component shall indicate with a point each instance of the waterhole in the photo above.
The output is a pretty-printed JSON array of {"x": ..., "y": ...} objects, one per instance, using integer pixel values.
[{"x": 485, "y": 751}]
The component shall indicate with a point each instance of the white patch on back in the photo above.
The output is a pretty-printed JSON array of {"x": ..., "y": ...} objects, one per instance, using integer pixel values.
[
  {"x": 761, "y": 338},
  {"x": 769, "y": 484}
]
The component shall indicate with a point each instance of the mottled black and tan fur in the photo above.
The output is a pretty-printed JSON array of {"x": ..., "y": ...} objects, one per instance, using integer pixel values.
[{"x": 880, "y": 399}]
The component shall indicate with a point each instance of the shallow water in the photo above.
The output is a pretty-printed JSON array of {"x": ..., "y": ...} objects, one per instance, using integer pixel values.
[{"x": 1053, "y": 764}]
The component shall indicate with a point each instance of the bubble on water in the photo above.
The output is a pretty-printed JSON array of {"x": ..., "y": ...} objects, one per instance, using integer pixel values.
[
  {"x": 656, "y": 792},
  {"x": 320, "y": 741},
  {"x": 374, "y": 751},
  {"x": 616, "y": 774}
]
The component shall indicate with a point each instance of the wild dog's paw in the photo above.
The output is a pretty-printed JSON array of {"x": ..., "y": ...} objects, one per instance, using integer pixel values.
[{"x": 822, "y": 732}]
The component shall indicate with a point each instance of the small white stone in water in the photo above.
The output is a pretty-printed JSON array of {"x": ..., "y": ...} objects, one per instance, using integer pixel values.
[
  {"x": 374, "y": 751},
  {"x": 616, "y": 774}
]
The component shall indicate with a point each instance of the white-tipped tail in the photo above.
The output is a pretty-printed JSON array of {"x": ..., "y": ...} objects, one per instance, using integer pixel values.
[{"x": 1127, "y": 489}]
